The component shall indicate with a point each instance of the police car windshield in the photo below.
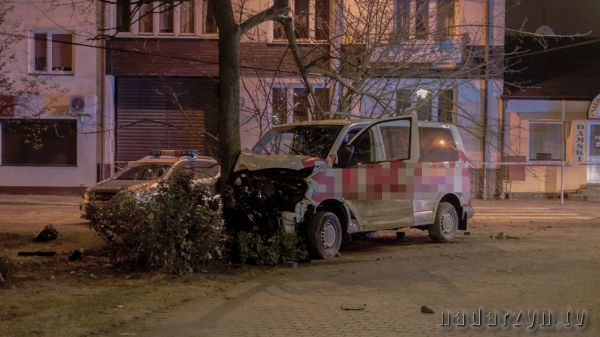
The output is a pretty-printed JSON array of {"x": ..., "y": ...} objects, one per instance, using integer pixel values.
[
  {"x": 304, "y": 140},
  {"x": 149, "y": 171}
]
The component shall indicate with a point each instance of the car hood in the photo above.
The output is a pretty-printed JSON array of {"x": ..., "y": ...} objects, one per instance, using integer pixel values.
[
  {"x": 254, "y": 162},
  {"x": 116, "y": 185}
]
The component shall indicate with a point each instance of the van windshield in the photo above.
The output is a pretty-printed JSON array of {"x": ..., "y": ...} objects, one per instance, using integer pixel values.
[{"x": 303, "y": 140}]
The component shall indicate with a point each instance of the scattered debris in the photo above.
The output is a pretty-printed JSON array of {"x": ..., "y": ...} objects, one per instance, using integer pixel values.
[
  {"x": 6, "y": 269},
  {"x": 512, "y": 237},
  {"x": 426, "y": 310},
  {"x": 467, "y": 233},
  {"x": 38, "y": 253},
  {"x": 400, "y": 236},
  {"x": 75, "y": 256},
  {"x": 49, "y": 233},
  {"x": 352, "y": 307},
  {"x": 500, "y": 236}
]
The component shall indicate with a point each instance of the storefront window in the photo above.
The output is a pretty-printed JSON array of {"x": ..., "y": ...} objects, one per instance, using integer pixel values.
[{"x": 545, "y": 141}]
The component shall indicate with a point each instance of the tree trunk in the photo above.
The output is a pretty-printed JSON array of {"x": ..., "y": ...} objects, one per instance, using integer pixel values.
[{"x": 229, "y": 92}]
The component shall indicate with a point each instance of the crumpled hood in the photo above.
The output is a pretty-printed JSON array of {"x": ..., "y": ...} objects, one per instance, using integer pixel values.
[{"x": 254, "y": 162}]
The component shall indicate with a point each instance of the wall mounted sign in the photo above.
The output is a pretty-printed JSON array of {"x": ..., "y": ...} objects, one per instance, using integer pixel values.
[
  {"x": 579, "y": 143},
  {"x": 594, "y": 109}
]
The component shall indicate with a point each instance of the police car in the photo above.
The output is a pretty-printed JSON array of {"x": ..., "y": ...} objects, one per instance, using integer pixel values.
[{"x": 145, "y": 174}]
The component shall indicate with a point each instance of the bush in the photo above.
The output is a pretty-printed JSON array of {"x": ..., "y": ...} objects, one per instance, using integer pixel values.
[
  {"x": 6, "y": 270},
  {"x": 176, "y": 229},
  {"x": 280, "y": 247},
  {"x": 257, "y": 234}
]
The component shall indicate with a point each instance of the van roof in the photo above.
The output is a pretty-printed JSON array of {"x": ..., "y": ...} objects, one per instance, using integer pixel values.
[{"x": 343, "y": 122}]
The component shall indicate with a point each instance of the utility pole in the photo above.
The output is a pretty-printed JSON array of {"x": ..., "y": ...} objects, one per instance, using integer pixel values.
[{"x": 486, "y": 76}]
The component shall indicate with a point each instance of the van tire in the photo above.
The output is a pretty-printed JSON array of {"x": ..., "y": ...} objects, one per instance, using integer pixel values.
[
  {"x": 324, "y": 235},
  {"x": 446, "y": 223}
]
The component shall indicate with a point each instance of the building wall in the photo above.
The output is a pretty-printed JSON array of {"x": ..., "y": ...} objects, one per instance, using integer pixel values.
[
  {"x": 544, "y": 176},
  {"x": 54, "y": 99}
]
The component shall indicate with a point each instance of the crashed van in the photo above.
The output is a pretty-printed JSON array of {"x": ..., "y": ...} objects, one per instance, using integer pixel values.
[{"x": 329, "y": 179}]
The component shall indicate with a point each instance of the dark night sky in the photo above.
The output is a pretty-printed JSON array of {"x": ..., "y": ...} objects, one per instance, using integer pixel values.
[{"x": 564, "y": 17}]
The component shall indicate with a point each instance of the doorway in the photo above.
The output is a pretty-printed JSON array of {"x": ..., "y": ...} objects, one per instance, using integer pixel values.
[{"x": 593, "y": 175}]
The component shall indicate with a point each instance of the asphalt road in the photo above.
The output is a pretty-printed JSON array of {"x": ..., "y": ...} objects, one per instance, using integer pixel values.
[
  {"x": 522, "y": 262},
  {"x": 533, "y": 258}
]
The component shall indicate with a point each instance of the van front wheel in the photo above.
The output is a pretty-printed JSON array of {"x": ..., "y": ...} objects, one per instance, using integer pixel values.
[
  {"x": 446, "y": 223},
  {"x": 324, "y": 235}
]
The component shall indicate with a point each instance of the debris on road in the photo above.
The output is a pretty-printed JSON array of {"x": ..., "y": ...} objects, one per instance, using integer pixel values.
[
  {"x": 291, "y": 264},
  {"x": 75, "y": 256},
  {"x": 512, "y": 237},
  {"x": 500, "y": 236},
  {"x": 352, "y": 307},
  {"x": 38, "y": 253},
  {"x": 48, "y": 233},
  {"x": 426, "y": 310},
  {"x": 6, "y": 269}
]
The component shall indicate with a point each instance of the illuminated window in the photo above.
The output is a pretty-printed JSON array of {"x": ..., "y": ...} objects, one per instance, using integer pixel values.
[{"x": 545, "y": 141}]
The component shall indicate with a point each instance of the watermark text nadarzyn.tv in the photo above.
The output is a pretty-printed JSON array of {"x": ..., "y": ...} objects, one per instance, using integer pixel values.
[{"x": 530, "y": 319}]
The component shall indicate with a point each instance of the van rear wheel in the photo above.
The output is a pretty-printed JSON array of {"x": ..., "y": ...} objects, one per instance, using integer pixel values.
[
  {"x": 324, "y": 235},
  {"x": 446, "y": 223}
]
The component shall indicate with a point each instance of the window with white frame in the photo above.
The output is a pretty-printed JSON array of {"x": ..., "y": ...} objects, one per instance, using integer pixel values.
[
  {"x": 165, "y": 18},
  {"x": 52, "y": 52},
  {"x": 290, "y": 104},
  {"x": 414, "y": 19},
  {"x": 311, "y": 20},
  {"x": 545, "y": 141},
  {"x": 427, "y": 104}
]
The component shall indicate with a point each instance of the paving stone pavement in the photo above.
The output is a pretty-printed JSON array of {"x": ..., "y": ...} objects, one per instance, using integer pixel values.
[{"x": 549, "y": 259}]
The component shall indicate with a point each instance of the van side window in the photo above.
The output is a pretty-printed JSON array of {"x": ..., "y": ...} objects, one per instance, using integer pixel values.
[
  {"x": 351, "y": 133},
  {"x": 396, "y": 140},
  {"x": 363, "y": 149},
  {"x": 437, "y": 145}
]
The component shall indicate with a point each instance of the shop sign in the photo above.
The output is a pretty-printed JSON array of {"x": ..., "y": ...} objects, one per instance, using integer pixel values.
[
  {"x": 594, "y": 109},
  {"x": 579, "y": 142}
]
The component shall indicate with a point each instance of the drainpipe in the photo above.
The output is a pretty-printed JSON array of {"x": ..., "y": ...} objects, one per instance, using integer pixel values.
[
  {"x": 100, "y": 93},
  {"x": 486, "y": 76},
  {"x": 563, "y": 144}
]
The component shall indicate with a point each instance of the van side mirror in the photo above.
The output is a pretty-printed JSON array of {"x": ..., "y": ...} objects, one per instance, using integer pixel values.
[{"x": 345, "y": 155}]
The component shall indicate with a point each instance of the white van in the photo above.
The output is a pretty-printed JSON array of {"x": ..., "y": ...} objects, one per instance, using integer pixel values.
[{"x": 328, "y": 179}]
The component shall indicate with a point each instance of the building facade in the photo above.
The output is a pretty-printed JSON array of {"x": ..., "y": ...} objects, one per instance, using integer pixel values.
[
  {"x": 552, "y": 128},
  {"x": 153, "y": 81},
  {"x": 49, "y": 120}
]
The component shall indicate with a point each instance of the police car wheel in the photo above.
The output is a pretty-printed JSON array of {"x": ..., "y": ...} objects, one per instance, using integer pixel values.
[
  {"x": 446, "y": 223},
  {"x": 324, "y": 235}
]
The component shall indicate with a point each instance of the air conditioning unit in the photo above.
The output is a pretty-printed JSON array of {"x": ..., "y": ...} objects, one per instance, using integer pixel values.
[{"x": 82, "y": 105}]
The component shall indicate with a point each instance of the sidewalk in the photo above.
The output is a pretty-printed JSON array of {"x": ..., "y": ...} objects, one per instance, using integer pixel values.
[{"x": 35, "y": 199}]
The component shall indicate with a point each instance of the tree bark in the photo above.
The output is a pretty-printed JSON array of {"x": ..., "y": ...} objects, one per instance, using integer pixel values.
[
  {"x": 230, "y": 33},
  {"x": 229, "y": 87}
]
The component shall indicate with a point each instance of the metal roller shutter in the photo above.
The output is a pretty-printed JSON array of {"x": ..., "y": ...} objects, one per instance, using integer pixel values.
[{"x": 165, "y": 113}]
